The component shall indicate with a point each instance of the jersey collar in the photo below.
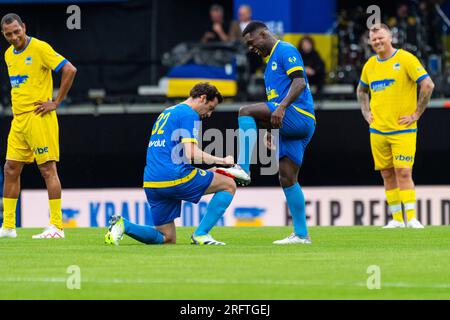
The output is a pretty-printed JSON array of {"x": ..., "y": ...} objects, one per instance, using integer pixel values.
[
  {"x": 17, "y": 52},
  {"x": 382, "y": 60},
  {"x": 271, "y": 52}
]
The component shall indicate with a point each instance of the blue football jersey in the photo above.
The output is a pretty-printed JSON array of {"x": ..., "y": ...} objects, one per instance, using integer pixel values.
[
  {"x": 165, "y": 158},
  {"x": 282, "y": 61}
]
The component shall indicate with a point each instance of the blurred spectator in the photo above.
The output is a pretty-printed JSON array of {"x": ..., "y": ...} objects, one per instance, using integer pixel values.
[
  {"x": 403, "y": 27},
  {"x": 314, "y": 65},
  {"x": 218, "y": 26},
  {"x": 431, "y": 26},
  {"x": 237, "y": 26}
]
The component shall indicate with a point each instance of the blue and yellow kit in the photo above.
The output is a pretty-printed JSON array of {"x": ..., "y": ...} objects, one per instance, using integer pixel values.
[
  {"x": 299, "y": 121},
  {"x": 32, "y": 137},
  {"x": 393, "y": 93},
  {"x": 168, "y": 177}
]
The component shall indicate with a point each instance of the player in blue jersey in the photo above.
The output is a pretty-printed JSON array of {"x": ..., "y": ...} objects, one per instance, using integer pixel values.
[
  {"x": 290, "y": 109},
  {"x": 170, "y": 177}
]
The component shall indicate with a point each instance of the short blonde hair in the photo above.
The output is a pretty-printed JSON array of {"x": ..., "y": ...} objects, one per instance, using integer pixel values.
[{"x": 379, "y": 26}]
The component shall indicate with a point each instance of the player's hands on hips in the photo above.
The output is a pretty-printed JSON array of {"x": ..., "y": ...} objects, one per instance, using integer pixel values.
[
  {"x": 277, "y": 117},
  {"x": 369, "y": 118},
  {"x": 44, "y": 107},
  {"x": 407, "y": 120},
  {"x": 228, "y": 160}
]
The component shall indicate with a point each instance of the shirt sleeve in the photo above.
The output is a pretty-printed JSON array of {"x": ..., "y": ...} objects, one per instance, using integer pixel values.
[
  {"x": 190, "y": 127},
  {"x": 364, "y": 81},
  {"x": 291, "y": 60},
  {"x": 50, "y": 58},
  {"x": 415, "y": 69}
]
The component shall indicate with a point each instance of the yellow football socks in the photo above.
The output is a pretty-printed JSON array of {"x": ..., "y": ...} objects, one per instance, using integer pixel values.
[
  {"x": 395, "y": 204},
  {"x": 56, "y": 213},
  {"x": 9, "y": 213},
  {"x": 408, "y": 198}
]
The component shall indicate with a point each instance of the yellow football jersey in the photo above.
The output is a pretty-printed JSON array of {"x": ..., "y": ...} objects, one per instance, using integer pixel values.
[
  {"x": 30, "y": 74},
  {"x": 393, "y": 90}
]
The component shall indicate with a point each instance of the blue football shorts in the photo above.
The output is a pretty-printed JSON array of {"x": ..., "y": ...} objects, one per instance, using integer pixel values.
[
  {"x": 295, "y": 133},
  {"x": 165, "y": 203}
]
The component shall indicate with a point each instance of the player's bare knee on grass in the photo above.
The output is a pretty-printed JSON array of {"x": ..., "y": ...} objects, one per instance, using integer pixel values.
[
  {"x": 169, "y": 232},
  {"x": 169, "y": 240}
]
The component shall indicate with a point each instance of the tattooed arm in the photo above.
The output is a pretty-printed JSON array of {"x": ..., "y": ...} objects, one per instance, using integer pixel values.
[
  {"x": 362, "y": 94},
  {"x": 426, "y": 89}
]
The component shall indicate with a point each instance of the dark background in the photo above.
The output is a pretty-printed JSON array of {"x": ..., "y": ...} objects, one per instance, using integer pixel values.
[
  {"x": 119, "y": 46},
  {"x": 110, "y": 150}
]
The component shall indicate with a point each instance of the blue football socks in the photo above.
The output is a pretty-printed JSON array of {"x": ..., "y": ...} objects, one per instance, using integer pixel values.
[
  {"x": 145, "y": 234},
  {"x": 296, "y": 203},
  {"x": 215, "y": 210},
  {"x": 247, "y": 140}
]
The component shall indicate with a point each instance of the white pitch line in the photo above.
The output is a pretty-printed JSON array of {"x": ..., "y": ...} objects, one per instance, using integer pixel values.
[{"x": 300, "y": 283}]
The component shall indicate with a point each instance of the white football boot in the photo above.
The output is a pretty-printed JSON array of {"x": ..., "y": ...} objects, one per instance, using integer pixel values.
[
  {"x": 206, "y": 240},
  {"x": 394, "y": 224},
  {"x": 241, "y": 177},
  {"x": 415, "y": 224},
  {"x": 50, "y": 232},
  {"x": 294, "y": 239},
  {"x": 8, "y": 233}
]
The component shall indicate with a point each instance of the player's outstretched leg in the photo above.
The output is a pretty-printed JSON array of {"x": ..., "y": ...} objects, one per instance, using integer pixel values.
[
  {"x": 118, "y": 227},
  {"x": 224, "y": 188},
  {"x": 296, "y": 203}
]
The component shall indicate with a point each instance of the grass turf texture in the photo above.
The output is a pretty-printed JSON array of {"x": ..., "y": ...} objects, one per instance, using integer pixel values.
[{"x": 414, "y": 265}]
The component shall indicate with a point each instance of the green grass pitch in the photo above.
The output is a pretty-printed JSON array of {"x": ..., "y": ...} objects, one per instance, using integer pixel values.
[{"x": 414, "y": 264}]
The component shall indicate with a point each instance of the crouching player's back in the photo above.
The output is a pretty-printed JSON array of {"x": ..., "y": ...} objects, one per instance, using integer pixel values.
[{"x": 170, "y": 177}]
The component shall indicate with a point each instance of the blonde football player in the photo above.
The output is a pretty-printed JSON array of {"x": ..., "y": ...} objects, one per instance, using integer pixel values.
[
  {"x": 34, "y": 128},
  {"x": 387, "y": 93}
]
